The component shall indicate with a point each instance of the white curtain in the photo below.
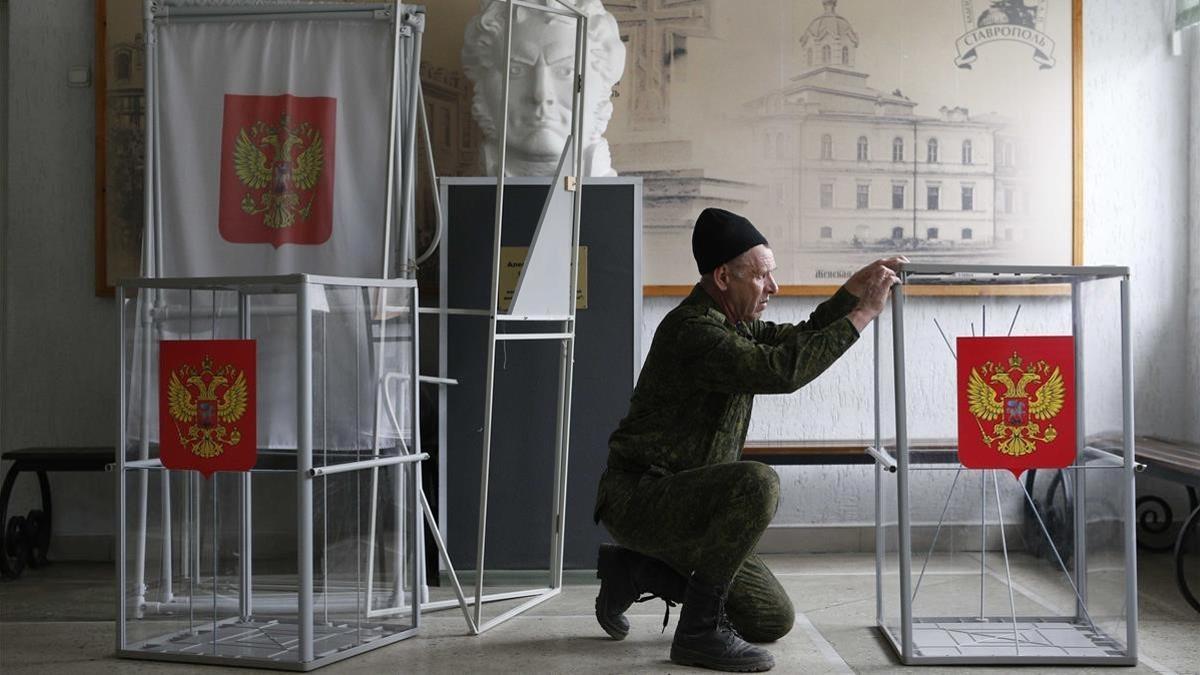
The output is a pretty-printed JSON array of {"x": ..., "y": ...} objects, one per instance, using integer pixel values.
[
  {"x": 209, "y": 71},
  {"x": 239, "y": 104}
]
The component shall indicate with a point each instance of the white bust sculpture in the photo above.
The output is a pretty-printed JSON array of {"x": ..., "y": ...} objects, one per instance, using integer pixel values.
[{"x": 543, "y": 60}]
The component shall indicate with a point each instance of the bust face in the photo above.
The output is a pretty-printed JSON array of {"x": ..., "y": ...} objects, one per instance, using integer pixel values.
[
  {"x": 540, "y": 78},
  {"x": 541, "y": 86}
]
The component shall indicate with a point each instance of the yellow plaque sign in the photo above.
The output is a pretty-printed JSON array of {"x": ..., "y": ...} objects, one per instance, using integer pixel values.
[{"x": 512, "y": 259}]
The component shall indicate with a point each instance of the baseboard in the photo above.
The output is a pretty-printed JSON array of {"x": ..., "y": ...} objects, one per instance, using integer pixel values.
[
  {"x": 797, "y": 538},
  {"x": 505, "y": 579},
  {"x": 82, "y": 548},
  {"x": 814, "y": 538}
]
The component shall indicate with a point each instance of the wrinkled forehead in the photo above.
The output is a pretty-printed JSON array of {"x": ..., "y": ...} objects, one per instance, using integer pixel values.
[
  {"x": 536, "y": 38},
  {"x": 759, "y": 259}
]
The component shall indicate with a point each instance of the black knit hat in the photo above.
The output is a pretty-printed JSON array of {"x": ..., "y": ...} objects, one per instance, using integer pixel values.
[{"x": 721, "y": 236}]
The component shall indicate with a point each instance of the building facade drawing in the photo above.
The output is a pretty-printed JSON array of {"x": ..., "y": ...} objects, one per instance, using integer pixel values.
[{"x": 848, "y": 166}]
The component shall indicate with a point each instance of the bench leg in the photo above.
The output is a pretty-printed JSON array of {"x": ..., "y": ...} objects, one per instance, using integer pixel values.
[
  {"x": 1154, "y": 517},
  {"x": 23, "y": 539},
  {"x": 14, "y": 548},
  {"x": 41, "y": 525},
  {"x": 1057, "y": 509},
  {"x": 1187, "y": 533}
]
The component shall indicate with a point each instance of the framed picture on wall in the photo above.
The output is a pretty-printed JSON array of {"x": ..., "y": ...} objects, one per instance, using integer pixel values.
[
  {"x": 120, "y": 141},
  {"x": 847, "y": 130}
]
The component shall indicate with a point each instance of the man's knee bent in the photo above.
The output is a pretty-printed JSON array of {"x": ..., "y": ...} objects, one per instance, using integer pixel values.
[
  {"x": 759, "y": 485},
  {"x": 768, "y": 631},
  {"x": 767, "y": 624}
]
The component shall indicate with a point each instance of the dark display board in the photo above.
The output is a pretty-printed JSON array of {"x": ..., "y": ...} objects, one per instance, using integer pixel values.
[{"x": 520, "y": 498}]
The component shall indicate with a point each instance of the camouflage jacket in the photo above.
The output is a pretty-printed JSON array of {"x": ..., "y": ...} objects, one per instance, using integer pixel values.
[{"x": 691, "y": 406}]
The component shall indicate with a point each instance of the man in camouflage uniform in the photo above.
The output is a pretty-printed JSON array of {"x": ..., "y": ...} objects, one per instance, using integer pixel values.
[{"x": 684, "y": 510}]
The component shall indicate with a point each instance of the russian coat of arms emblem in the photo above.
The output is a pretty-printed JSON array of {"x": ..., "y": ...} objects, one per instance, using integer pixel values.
[
  {"x": 207, "y": 405},
  {"x": 277, "y": 160},
  {"x": 1016, "y": 402}
]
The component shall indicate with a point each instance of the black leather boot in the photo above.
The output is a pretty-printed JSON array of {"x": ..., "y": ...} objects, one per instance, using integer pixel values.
[
  {"x": 627, "y": 577},
  {"x": 704, "y": 637}
]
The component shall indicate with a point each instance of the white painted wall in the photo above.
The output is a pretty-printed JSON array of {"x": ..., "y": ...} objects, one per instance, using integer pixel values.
[{"x": 57, "y": 338}]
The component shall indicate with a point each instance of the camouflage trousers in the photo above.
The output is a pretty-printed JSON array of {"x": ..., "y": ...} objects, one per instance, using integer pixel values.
[{"x": 708, "y": 521}]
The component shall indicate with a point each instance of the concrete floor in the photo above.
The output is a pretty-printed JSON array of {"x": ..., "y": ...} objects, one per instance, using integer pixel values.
[{"x": 56, "y": 620}]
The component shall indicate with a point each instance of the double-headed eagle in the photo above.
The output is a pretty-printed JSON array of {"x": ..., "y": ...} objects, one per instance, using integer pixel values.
[
  {"x": 200, "y": 417},
  {"x": 1016, "y": 432},
  {"x": 277, "y": 162}
]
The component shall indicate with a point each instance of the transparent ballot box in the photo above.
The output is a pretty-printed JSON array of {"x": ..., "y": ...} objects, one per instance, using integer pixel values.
[
  {"x": 269, "y": 469},
  {"x": 1004, "y": 483}
]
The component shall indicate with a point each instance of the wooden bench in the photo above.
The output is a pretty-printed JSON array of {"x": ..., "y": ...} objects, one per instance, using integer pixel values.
[
  {"x": 807, "y": 452},
  {"x": 784, "y": 453},
  {"x": 25, "y": 540},
  {"x": 1178, "y": 462},
  {"x": 1170, "y": 460}
]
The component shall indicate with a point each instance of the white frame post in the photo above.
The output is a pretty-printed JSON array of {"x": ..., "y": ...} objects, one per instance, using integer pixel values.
[
  {"x": 304, "y": 487},
  {"x": 1129, "y": 510},
  {"x": 1078, "y": 477},
  {"x": 902, "y": 497}
]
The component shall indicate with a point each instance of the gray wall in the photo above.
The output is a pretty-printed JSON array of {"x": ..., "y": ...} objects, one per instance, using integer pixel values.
[
  {"x": 58, "y": 336},
  {"x": 3, "y": 201}
]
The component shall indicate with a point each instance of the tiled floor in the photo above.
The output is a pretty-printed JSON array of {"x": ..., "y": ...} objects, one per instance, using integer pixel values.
[{"x": 57, "y": 620}]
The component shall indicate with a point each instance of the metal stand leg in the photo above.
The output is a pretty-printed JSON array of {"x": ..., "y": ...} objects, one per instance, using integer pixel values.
[
  {"x": 1007, "y": 570},
  {"x": 166, "y": 592},
  {"x": 982, "y": 539}
]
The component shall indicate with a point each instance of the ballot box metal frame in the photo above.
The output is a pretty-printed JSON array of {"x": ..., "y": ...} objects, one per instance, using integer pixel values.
[
  {"x": 982, "y": 639},
  {"x": 301, "y": 644}
]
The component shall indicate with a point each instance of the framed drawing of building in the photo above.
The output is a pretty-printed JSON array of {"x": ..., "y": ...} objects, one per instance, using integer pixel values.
[
  {"x": 120, "y": 141},
  {"x": 847, "y": 130}
]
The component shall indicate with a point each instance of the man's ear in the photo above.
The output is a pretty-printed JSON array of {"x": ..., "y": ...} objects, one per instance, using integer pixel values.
[{"x": 721, "y": 276}]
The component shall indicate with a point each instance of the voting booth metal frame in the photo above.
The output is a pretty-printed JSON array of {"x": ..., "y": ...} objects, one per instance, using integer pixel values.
[
  {"x": 243, "y": 615},
  {"x": 532, "y": 285},
  {"x": 406, "y": 108},
  {"x": 545, "y": 294}
]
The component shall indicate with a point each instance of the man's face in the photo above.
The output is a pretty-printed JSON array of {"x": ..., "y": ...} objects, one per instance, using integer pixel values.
[
  {"x": 750, "y": 284},
  {"x": 543, "y": 59}
]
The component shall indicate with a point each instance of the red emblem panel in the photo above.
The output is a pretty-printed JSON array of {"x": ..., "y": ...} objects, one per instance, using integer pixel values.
[
  {"x": 277, "y": 159},
  {"x": 1016, "y": 402},
  {"x": 206, "y": 405}
]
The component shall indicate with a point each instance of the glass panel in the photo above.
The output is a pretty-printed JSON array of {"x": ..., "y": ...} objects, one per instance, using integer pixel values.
[
  {"x": 1103, "y": 492},
  {"x": 364, "y": 550},
  {"x": 887, "y": 536}
]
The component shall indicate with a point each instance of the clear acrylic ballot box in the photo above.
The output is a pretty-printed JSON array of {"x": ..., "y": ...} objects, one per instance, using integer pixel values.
[
  {"x": 313, "y": 553},
  {"x": 1033, "y": 565}
]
